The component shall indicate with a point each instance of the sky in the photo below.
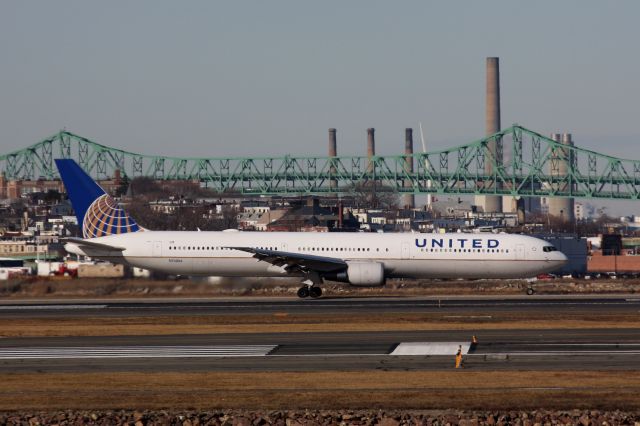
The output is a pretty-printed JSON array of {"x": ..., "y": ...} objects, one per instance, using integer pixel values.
[{"x": 254, "y": 78}]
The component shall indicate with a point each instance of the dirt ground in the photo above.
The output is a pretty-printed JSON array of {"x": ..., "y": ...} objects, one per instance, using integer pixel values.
[
  {"x": 265, "y": 323},
  {"x": 322, "y": 390}
]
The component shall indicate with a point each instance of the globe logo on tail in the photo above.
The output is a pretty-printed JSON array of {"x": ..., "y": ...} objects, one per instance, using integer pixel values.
[{"x": 105, "y": 217}]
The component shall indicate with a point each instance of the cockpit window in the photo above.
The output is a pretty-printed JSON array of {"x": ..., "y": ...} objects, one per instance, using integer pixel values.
[{"x": 549, "y": 248}]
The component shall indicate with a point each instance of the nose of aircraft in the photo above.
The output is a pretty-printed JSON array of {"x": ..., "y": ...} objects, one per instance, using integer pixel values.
[{"x": 561, "y": 258}]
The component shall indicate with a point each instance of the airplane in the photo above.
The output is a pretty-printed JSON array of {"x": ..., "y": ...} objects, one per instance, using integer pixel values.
[{"x": 358, "y": 259}]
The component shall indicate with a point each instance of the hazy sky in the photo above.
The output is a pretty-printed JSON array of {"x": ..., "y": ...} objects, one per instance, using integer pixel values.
[{"x": 235, "y": 78}]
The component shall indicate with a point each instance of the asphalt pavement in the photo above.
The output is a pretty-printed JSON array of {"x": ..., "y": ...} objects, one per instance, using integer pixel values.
[
  {"x": 356, "y": 305},
  {"x": 557, "y": 349}
]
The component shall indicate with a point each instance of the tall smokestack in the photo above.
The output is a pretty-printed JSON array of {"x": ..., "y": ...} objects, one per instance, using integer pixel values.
[
  {"x": 333, "y": 152},
  {"x": 333, "y": 144},
  {"x": 371, "y": 142},
  {"x": 408, "y": 199},
  {"x": 559, "y": 167},
  {"x": 371, "y": 146},
  {"x": 492, "y": 203},
  {"x": 493, "y": 96}
]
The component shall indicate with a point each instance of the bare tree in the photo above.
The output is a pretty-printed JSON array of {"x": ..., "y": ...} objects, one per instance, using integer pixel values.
[
  {"x": 374, "y": 195},
  {"x": 184, "y": 218}
]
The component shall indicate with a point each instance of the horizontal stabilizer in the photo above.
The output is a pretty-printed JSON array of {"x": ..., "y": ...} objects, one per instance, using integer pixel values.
[{"x": 91, "y": 244}]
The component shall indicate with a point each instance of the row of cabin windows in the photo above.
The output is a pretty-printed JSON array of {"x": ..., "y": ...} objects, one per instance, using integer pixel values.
[
  {"x": 212, "y": 248},
  {"x": 275, "y": 248},
  {"x": 361, "y": 249},
  {"x": 338, "y": 249},
  {"x": 465, "y": 250}
]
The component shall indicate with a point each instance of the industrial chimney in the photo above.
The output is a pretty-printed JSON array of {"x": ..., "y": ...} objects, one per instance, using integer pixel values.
[
  {"x": 559, "y": 166},
  {"x": 333, "y": 152},
  {"x": 492, "y": 203},
  {"x": 408, "y": 199},
  {"x": 371, "y": 146}
]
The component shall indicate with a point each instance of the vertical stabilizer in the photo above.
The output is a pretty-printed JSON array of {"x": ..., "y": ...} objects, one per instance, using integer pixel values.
[{"x": 97, "y": 212}]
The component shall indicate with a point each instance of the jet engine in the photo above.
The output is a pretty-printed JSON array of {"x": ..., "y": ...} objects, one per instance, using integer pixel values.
[{"x": 361, "y": 274}]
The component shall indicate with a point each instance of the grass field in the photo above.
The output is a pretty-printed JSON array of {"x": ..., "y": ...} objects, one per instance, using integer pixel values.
[
  {"x": 37, "y": 287},
  {"x": 203, "y": 324}
]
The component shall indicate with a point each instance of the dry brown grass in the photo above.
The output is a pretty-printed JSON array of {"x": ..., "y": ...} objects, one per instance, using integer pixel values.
[
  {"x": 280, "y": 322},
  {"x": 322, "y": 390},
  {"x": 38, "y": 287}
]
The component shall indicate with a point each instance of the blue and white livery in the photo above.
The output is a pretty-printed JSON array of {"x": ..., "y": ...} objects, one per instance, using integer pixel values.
[
  {"x": 359, "y": 259},
  {"x": 98, "y": 213}
]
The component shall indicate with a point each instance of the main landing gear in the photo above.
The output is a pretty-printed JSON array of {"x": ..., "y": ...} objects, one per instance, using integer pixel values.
[
  {"x": 307, "y": 291},
  {"x": 309, "y": 287}
]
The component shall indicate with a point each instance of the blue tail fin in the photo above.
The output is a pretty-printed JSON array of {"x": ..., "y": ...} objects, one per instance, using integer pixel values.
[{"x": 97, "y": 213}]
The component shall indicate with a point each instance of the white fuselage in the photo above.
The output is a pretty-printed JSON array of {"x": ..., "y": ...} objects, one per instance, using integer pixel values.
[{"x": 404, "y": 255}]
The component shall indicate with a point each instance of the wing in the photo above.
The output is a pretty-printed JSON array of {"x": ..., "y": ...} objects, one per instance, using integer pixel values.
[
  {"x": 296, "y": 262},
  {"x": 91, "y": 244}
]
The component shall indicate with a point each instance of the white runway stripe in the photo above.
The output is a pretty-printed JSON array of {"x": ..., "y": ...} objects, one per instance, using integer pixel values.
[
  {"x": 431, "y": 348},
  {"x": 137, "y": 352}
]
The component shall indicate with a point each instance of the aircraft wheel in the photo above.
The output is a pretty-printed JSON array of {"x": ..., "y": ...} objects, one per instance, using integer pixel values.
[
  {"x": 530, "y": 291},
  {"x": 315, "y": 292},
  {"x": 303, "y": 292}
]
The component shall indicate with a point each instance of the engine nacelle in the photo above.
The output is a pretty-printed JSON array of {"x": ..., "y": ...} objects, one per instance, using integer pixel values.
[{"x": 361, "y": 274}]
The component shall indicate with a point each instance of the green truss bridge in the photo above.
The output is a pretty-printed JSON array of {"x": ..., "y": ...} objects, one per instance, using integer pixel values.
[{"x": 520, "y": 163}]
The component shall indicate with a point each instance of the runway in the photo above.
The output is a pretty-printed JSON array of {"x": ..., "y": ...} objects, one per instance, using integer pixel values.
[
  {"x": 356, "y": 305},
  {"x": 601, "y": 349},
  {"x": 399, "y": 351},
  {"x": 498, "y": 348}
]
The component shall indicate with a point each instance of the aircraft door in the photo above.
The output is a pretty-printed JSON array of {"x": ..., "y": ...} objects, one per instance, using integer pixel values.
[
  {"x": 157, "y": 249},
  {"x": 405, "y": 250},
  {"x": 283, "y": 247},
  {"x": 520, "y": 252}
]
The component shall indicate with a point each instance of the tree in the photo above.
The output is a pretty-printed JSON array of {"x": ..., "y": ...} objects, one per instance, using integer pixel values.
[
  {"x": 123, "y": 187},
  {"x": 374, "y": 195}
]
